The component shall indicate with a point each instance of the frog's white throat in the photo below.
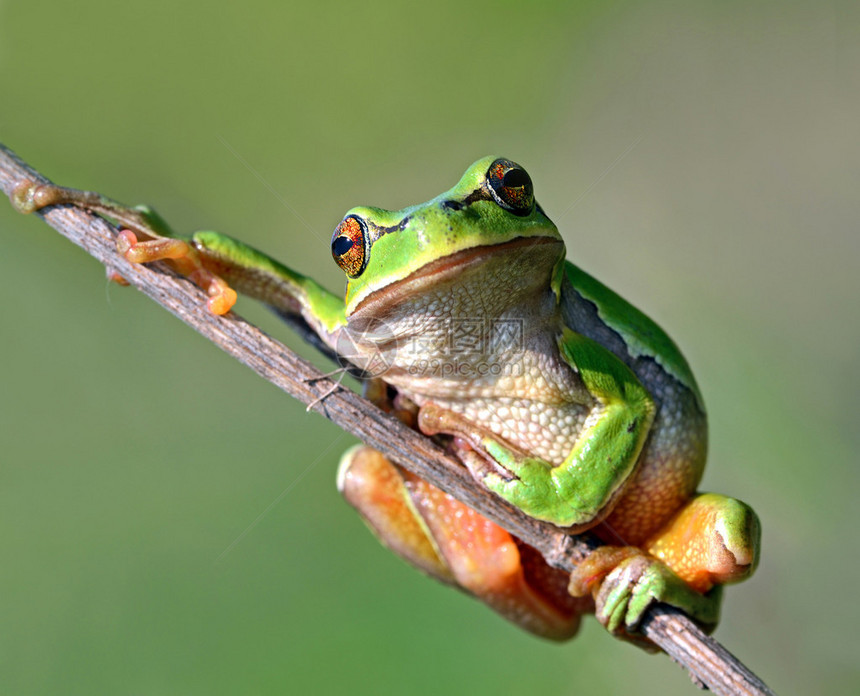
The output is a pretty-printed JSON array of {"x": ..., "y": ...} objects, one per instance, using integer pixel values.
[
  {"x": 466, "y": 310},
  {"x": 480, "y": 282}
]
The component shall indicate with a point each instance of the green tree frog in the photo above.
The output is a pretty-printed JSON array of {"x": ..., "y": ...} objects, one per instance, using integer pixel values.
[{"x": 554, "y": 392}]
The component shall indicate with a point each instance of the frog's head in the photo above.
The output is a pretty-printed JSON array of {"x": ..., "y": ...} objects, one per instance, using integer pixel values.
[{"x": 487, "y": 228}]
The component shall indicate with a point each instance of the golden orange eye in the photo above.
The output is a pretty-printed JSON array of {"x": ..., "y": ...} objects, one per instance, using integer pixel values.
[
  {"x": 349, "y": 246},
  {"x": 511, "y": 187}
]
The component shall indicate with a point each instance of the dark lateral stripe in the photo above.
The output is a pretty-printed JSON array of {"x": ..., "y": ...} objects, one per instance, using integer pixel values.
[
  {"x": 479, "y": 194},
  {"x": 399, "y": 227}
]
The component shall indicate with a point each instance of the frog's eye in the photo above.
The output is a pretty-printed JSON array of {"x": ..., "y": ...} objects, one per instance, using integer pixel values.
[
  {"x": 349, "y": 246},
  {"x": 511, "y": 187}
]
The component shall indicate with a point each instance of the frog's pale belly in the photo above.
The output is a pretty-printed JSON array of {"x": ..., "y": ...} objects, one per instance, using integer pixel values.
[
  {"x": 535, "y": 403},
  {"x": 547, "y": 431}
]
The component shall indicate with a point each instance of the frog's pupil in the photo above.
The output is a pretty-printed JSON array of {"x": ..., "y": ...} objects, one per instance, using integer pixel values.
[
  {"x": 341, "y": 245},
  {"x": 515, "y": 178}
]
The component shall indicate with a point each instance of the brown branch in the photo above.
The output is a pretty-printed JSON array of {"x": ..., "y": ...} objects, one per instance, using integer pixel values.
[{"x": 708, "y": 662}]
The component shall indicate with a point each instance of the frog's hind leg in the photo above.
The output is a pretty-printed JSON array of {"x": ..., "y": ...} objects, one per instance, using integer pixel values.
[
  {"x": 712, "y": 540},
  {"x": 453, "y": 543},
  {"x": 30, "y": 196},
  {"x": 144, "y": 236}
]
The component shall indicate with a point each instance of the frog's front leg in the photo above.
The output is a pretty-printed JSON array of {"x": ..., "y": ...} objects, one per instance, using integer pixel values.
[
  {"x": 713, "y": 540},
  {"x": 219, "y": 264},
  {"x": 450, "y": 541},
  {"x": 580, "y": 490}
]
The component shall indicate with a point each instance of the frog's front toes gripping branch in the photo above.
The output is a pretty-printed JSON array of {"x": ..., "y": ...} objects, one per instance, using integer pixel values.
[
  {"x": 183, "y": 257},
  {"x": 143, "y": 237}
]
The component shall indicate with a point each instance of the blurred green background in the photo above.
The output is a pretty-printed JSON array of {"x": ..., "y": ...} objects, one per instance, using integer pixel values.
[{"x": 170, "y": 521}]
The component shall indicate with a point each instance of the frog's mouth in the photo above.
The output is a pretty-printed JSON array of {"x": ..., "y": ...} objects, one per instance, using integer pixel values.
[{"x": 518, "y": 265}]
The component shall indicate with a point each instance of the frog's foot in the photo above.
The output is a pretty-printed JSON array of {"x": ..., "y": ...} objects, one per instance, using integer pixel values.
[
  {"x": 712, "y": 540},
  {"x": 625, "y": 582},
  {"x": 144, "y": 236},
  {"x": 29, "y": 196},
  {"x": 453, "y": 543},
  {"x": 185, "y": 259}
]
